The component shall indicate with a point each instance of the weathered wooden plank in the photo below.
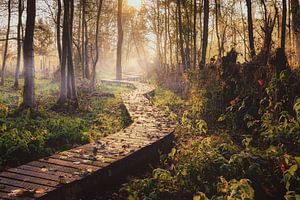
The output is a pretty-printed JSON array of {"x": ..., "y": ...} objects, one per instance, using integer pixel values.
[
  {"x": 43, "y": 175},
  {"x": 53, "y": 167},
  {"x": 91, "y": 157},
  {"x": 120, "y": 140},
  {"x": 80, "y": 160},
  {"x": 11, "y": 196},
  {"x": 7, "y": 188},
  {"x": 106, "y": 153},
  {"x": 139, "y": 138},
  {"x": 22, "y": 184},
  {"x": 28, "y": 178},
  {"x": 4, "y": 196},
  {"x": 69, "y": 164},
  {"x": 7, "y": 192},
  {"x": 51, "y": 175}
]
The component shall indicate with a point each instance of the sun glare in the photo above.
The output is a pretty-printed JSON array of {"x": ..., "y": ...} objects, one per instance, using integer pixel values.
[{"x": 134, "y": 3}]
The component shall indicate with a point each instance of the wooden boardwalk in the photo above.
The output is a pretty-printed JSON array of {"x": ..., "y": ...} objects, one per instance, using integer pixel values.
[{"x": 92, "y": 167}]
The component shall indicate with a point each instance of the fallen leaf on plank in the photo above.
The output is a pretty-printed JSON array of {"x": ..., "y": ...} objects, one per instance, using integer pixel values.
[
  {"x": 40, "y": 191},
  {"x": 44, "y": 169},
  {"x": 21, "y": 193}
]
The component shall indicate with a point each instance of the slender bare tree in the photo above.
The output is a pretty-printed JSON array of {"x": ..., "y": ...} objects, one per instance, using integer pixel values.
[
  {"x": 6, "y": 43},
  {"x": 283, "y": 25},
  {"x": 94, "y": 73},
  {"x": 28, "y": 57},
  {"x": 295, "y": 7},
  {"x": 180, "y": 29},
  {"x": 205, "y": 34},
  {"x": 250, "y": 28},
  {"x": 19, "y": 42},
  {"x": 120, "y": 42}
]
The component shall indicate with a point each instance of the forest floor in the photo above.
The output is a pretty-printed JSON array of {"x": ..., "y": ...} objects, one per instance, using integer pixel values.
[{"x": 24, "y": 138}]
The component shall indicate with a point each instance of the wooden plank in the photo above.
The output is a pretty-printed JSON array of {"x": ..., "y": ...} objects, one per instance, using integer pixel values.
[
  {"x": 5, "y": 196},
  {"x": 130, "y": 147},
  {"x": 123, "y": 140},
  {"x": 8, "y": 196},
  {"x": 102, "y": 163},
  {"x": 52, "y": 175},
  {"x": 44, "y": 175},
  {"x": 6, "y": 191},
  {"x": 115, "y": 154},
  {"x": 142, "y": 139},
  {"x": 74, "y": 159},
  {"x": 69, "y": 164},
  {"x": 28, "y": 179},
  {"x": 53, "y": 167},
  {"x": 7, "y": 188},
  {"x": 22, "y": 184},
  {"x": 108, "y": 158},
  {"x": 107, "y": 152}
]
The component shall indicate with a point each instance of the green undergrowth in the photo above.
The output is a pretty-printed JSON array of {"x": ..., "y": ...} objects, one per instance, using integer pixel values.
[
  {"x": 228, "y": 150},
  {"x": 29, "y": 136}
]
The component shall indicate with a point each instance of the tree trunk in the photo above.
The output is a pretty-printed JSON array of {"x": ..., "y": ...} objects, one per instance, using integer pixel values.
[
  {"x": 69, "y": 59},
  {"x": 120, "y": 42},
  {"x": 158, "y": 35},
  {"x": 79, "y": 29},
  {"x": 180, "y": 28},
  {"x": 6, "y": 43},
  {"x": 200, "y": 29},
  {"x": 19, "y": 44},
  {"x": 269, "y": 24},
  {"x": 290, "y": 30},
  {"x": 283, "y": 25},
  {"x": 187, "y": 35},
  {"x": 205, "y": 33},
  {"x": 218, "y": 14},
  {"x": 165, "y": 38},
  {"x": 244, "y": 33},
  {"x": 212, "y": 38},
  {"x": 94, "y": 75},
  {"x": 71, "y": 70},
  {"x": 296, "y": 26},
  {"x": 170, "y": 37},
  {"x": 195, "y": 35},
  {"x": 83, "y": 3},
  {"x": 58, "y": 39},
  {"x": 250, "y": 28},
  {"x": 63, "y": 68},
  {"x": 176, "y": 40},
  {"x": 28, "y": 54},
  {"x": 86, "y": 51}
]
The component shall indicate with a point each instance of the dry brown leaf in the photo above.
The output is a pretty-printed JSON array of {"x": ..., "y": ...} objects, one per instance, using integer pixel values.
[
  {"x": 44, "y": 169},
  {"x": 78, "y": 150},
  {"x": 65, "y": 153},
  {"x": 99, "y": 157},
  {"x": 40, "y": 191},
  {"x": 89, "y": 170},
  {"x": 63, "y": 157},
  {"x": 21, "y": 193}
]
